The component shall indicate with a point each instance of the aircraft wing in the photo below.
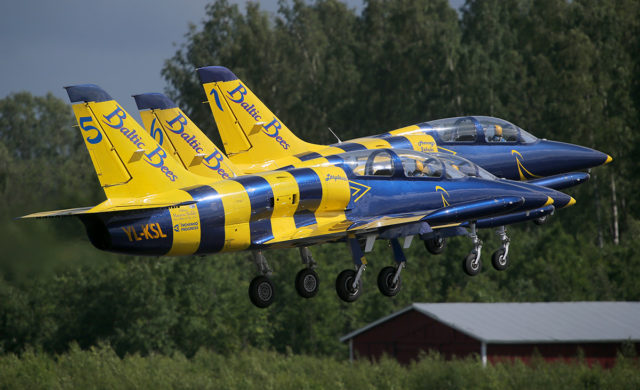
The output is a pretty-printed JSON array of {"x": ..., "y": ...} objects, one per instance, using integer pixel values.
[{"x": 400, "y": 225}]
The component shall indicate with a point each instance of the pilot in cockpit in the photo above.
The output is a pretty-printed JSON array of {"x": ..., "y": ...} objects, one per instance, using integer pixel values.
[{"x": 497, "y": 134}]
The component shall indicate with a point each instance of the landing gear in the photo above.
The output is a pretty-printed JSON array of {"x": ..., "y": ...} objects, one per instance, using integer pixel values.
[
  {"x": 348, "y": 282},
  {"x": 261, "y": 289},
  {"x": 500, "y": 258},
  {"x": 541, "y": 220},
  {"x": 389, "y": 281},
  {"x": 435, "y": 245},
  {"x": 307, "y": 282},
  {"x": 472, "y": 265}
]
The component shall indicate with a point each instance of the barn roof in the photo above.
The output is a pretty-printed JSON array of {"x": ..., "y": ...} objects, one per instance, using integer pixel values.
[{"x": 540, "y": 322}]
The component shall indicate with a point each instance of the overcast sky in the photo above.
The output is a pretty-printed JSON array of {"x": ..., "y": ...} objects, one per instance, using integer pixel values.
[{"x": 121, "y": 45}]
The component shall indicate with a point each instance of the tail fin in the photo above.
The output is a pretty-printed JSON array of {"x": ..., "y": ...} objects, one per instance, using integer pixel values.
[
  {"x": 182, "y": 139},
  {"x": 128, "y": 161},
  {"x": 249, "y": 130}
]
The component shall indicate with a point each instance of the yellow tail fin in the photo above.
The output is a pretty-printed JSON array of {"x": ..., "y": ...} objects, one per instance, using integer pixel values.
[
  {"x": 128, "y": 161},
  {"x": 175, "y": 132},
  {"x": 244, "y": 122}
]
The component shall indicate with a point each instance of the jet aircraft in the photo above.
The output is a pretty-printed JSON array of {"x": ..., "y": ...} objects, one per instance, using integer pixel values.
[
  {"x": 255, "y": 139},
  {"x": 171, "y": 127},
  {"x": 155, "y": 206}
]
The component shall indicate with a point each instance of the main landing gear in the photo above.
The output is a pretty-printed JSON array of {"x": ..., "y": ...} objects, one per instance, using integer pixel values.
[
  {"x": 348, "y": 282},
  {"x": 261, "y": 288},
  {"x": 436, "y": 244},
  {"x": 389, "y": 281},
  {"x": 307, "y": 282}
]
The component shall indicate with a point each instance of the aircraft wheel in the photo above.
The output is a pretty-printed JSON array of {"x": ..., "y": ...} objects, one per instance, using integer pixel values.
[
  {"x": 470, "y": 266},
  {"x": 307, "y": 283},
  {"x": 385, "y": 282},
  {"x": 261, "y": 291},
  {"x": 435, "y": 245},
  {"x": 541, "y": 220},
  {"x": 344, "y": 286},
  {"x": 499, "y": 261}
]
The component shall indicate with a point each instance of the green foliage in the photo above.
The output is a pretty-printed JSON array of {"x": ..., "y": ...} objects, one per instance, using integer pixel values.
[
  {"x": 100, "y": 367},
  {"x": 565, "y": 70}
]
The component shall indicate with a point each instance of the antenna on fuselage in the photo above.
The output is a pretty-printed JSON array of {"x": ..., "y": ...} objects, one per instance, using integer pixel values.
[{"x": 334, "y": 134}]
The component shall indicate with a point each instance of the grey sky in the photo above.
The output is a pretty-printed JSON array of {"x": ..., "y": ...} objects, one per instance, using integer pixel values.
[{"x": 120, "y": 45}]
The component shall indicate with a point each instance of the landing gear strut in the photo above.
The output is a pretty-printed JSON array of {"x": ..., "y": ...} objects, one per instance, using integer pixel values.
[
  {"x": 261, "y": 289},
  {"x": 500, "y": 258},
  {"x": 389, "y": 281},
  {"x": 307, "y": 282},
  {"x": 348, "y": 282},
  {"x": 472, "y": 265}
]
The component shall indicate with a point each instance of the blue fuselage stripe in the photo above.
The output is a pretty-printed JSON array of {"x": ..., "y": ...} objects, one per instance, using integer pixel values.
[
  {"x": 399, "y": 142},
  {"x": 212, "y": 219},
  {"x": 310, "y": 189},
  {"x": 349, "y": 146},
  {"x": 308, "y": 156},
  {"x": 261, "y": 200}
]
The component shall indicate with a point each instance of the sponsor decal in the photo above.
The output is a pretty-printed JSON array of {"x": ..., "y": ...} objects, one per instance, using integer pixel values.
[
  {"x": 272, "y": 129},
  {"x": 150, "y": 231},
  {"x": 330, "y": 177},
  {"x": 213, "y": 161},
  {"x": 155, "y": 158}
]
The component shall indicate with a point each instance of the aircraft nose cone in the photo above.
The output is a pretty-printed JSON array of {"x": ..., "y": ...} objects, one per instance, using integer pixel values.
[{"x": 559, "y": 157}]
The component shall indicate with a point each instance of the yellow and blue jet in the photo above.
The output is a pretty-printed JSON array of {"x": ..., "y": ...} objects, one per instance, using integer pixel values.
[
  {"x": 171, "y": 127},
  {"x": 155, "y": 206},
  {"x": 255, "y": 139}
]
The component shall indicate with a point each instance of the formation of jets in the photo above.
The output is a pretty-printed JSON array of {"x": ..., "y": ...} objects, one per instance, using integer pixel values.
[{"x": 170, "y": 191}]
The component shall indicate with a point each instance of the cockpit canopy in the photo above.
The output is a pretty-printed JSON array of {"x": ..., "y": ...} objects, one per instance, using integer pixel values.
[
  {"x": 477, "y": 129},
  {"x": 410, "y": 163}
]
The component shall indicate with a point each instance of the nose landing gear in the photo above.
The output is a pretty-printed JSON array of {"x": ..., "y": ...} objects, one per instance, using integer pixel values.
[
  {"x": 307, "y": 282},
  {"x": 500, "y": 258},
  {"x": 472, "y": 265}
]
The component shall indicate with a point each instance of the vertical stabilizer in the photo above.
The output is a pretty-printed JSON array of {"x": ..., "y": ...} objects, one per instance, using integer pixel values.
[
  {"x": 245, "y": 123},
  {"x": 172, "y": 129},
  {"x": 128, "y": 161}
]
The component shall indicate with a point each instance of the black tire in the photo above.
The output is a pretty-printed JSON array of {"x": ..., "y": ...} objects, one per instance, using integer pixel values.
[
  {"x": 385, "y": 282},
  {"x": 307, "y": 283},
  {"x": 435, "y": 245},
  {"x": 344, "y": 287},
  {"x": 261, "y": 291},
  {"x": 499, "y": 261},
  {"x": 468, "y": 265},
  {"x": 541, "y": 221}
]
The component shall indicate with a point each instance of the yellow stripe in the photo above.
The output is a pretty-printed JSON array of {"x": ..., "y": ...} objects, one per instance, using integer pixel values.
[
  {"x": 286, "y": 196},
  {"x": 237, "y": 212},
  {"x": 185, "y": 221}
]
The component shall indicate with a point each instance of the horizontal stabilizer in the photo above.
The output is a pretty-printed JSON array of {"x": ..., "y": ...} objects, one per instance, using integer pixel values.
[
  {"x": 474, "y": 210},
  {"x": 558, "y": 182},
  {"x": 106, "y": 207}
]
